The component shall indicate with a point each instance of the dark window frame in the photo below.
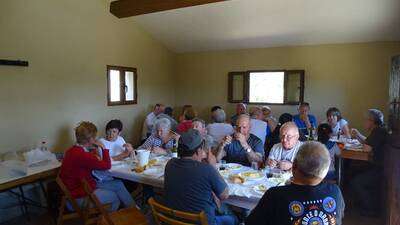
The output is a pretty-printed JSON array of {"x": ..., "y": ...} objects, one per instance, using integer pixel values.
[
  {"x": 246, "y": 86},
  {"x": 122, "y": 70}
]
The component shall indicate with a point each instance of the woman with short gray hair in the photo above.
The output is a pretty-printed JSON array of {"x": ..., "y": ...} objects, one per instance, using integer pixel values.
[
  {"x": 219, "y": 129},
  {"x": 367, "y": 186},
  {"x": 162, "y": 139}
]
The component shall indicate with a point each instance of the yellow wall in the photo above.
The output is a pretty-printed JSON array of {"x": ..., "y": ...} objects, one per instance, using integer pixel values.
[
  {"x": 353, "y": 77},
  {"x": 68, "y": 45}
]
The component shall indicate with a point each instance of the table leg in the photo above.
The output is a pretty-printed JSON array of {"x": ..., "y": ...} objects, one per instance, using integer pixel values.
[
  {"x": 24, "y": 205},
  {"x": 340, "y": 165}
]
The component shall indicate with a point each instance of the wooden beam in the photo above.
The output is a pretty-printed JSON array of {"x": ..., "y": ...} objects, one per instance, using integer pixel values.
[{"x": 127, "y": 8}]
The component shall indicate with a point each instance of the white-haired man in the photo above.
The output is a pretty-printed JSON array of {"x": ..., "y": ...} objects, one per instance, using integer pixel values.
[
  {"x": 306, "y": 200},
  {"x": 282, "y": 154}
]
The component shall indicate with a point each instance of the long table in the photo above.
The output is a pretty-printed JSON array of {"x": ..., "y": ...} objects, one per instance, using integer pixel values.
[
  {"x": 36, "y": 174},
  {"x": 123, "y": 170}
]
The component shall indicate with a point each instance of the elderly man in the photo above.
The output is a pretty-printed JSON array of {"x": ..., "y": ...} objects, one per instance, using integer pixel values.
[
  {"x": 219, "y": 129},
  {"x": 243, "y": 147},
  {"x": 149, "y": 121},
  {"x": 257, "y": 126},
  {"x": 191, "y": 185},
  {"x": 269, "y": 118},
  {"x": 306, "y": 200},
  {"x": 240, "y": 109},
  {"x": 304, "y": 120},
  {"x": 282, "y": 154},
  {"x": 367, "y": 186}
]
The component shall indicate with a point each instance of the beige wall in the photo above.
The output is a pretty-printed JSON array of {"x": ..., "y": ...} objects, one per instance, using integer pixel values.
[
  {"x": 68, "y": 45},
  {"x": 353, "y": 77}
]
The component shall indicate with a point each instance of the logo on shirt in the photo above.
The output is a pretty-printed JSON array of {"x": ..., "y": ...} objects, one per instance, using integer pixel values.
[{"x": 316, "y": 212}]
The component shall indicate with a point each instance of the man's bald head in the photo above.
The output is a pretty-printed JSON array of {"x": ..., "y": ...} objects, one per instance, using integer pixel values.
[{"x": 243, "y": 124}]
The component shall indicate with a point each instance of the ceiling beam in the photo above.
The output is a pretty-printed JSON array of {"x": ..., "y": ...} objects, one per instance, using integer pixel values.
[{"x": 127, "y": 8}]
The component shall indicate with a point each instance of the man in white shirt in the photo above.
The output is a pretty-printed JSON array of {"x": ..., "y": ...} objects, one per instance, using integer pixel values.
[
  {"x": 219, "y": 129},
  {"x": 258, "y": 127},
  {"x": 149, "y": 121},
  {"x": 282, "y": 154}
]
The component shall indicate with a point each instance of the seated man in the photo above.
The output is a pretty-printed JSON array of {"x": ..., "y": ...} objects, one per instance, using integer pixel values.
[
  {"x": 80, "y": 161},
  {"x": 219, "y": 128},
  {"x": 306, "y": 200},
  {"x": 243, "y": 147},
  {"x": 282, "y": 154},
  {"x": 191, "y": 185},
  {"x": 304, "y": 120},
  {"x": 116, "y": 145},
  {"x": 368, "y": 185},
  {"x": 258, "y": 127}
]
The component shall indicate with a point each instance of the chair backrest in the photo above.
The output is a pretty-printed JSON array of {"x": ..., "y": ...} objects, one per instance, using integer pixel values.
[
  {"x": 93, "y": 198},
  {"x": 69, "y": 197},
  {"x": 165, "y": 215}
]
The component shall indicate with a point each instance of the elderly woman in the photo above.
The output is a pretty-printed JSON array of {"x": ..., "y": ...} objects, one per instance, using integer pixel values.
[
  {"x": 338, "y": 124},
  {"x": 219, "y": 129},
  {"x": 81, "y": 160},
  {"x": 367, "y": 185},
  {"x": 162, "y": 139}
]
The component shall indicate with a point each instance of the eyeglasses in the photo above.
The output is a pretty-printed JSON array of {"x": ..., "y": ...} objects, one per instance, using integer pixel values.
[{"x": 287, "y": 137}]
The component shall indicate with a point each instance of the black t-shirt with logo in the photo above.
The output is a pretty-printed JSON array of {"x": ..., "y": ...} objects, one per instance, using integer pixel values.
[{"x": 293, "y": 204}]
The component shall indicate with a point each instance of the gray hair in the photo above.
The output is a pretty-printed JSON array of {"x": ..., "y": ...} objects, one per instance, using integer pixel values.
[
  {"x": 198, "y": 120},
  {"x": 219, "y": 116},
  {"x": 313, "y": 159},
  {"x": 288, "y": 125},
  {"x": 162, "y": 123},
  {"x": 377, "y": 116}
]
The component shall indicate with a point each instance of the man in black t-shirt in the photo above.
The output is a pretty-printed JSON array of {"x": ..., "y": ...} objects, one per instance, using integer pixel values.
[
  {"x": 367, "y": 186},
  {"x": 306, "y": 200}
]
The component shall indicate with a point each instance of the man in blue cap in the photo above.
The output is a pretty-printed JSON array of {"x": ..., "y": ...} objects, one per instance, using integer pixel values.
[{"x": 191, "y": 185}]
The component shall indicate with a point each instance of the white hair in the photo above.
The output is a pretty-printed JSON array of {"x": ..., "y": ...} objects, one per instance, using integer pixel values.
[
  {"x": 313, "y": 159},
  {"x": 219, "y": 116},
  {"x": 162, "y": 123}
]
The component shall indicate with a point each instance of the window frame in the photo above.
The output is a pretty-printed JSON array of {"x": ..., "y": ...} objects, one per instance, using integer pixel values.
[
  {"x": 122, "y": 87},
  {"x": 246, "y": 86}
]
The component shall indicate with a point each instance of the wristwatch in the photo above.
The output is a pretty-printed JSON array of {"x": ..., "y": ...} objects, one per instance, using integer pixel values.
[{"x": 248, "y": 150}]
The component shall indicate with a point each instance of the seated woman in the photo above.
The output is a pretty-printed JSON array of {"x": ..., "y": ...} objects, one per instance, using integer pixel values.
[
  {"x": 324, "y": 134},
  {"x": 162, "y": 139},
  {"x": 337, "y": 123},
  {"x": 116, "y": 144},
  {"x": 367, "y": 186},
  {"x": 186, "y": 124},
  {"x": 80, "y": 161}
]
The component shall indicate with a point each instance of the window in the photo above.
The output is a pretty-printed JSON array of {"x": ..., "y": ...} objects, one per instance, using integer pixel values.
[
  {"x": 121, "y": 85},
  {"x": 285, "y": 87}
]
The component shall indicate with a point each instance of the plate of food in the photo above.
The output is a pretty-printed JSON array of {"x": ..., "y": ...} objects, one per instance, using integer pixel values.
[
  {"x": 252, "y": 175},
  {"x": 233, "y": 166},
  {"x": 224, "y": 173},
  {"x": 260, "y": 188}
]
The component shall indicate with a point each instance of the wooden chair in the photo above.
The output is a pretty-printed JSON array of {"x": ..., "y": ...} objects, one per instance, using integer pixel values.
[
  {"x": 87, "y": 214},
  {"x": 164, "y": 215},
  {"x": 131, "y": 216}
]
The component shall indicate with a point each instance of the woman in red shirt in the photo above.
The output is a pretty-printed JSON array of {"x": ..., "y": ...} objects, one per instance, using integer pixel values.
[{"x": 80, "y": 160}]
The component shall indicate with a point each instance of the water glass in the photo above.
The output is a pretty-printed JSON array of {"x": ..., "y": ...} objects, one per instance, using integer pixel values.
[{"x": 254, "y": 165}]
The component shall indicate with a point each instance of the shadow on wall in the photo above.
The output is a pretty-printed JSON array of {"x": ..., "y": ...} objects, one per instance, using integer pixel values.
[{"x": 64, "y": 138}]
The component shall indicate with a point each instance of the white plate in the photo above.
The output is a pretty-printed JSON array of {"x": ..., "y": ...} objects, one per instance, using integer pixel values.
[
  {"x": 247, "y": 175},
  {"x": 233, "y": 166},
  {"x": 260, "y": 188}
]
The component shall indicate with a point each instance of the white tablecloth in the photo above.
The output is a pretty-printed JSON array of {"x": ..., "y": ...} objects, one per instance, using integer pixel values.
[{"x": 241, "y": 195}]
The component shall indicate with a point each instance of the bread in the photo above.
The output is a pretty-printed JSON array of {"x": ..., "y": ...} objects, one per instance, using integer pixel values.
[{"x": 236, "y": 179}]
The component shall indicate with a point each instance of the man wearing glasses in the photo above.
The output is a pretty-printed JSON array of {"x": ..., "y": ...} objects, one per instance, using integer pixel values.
[{"x": 282, "y": 154}]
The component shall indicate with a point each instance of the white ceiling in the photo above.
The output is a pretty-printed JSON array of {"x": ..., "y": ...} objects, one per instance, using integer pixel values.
[{"x": 239, "y": 24}]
